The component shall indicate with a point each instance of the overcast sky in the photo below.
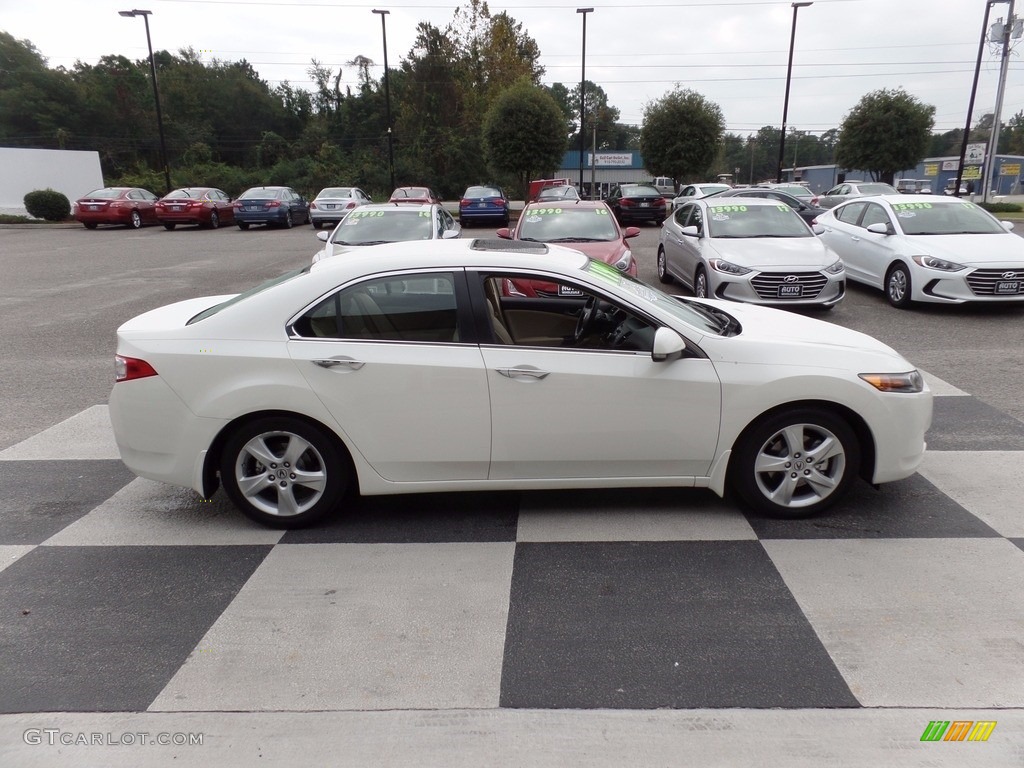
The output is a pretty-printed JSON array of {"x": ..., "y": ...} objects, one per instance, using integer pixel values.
[{"x": 734, "y": 52}]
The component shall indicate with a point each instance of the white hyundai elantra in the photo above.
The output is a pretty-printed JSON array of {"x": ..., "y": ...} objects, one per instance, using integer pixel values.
[
  {"x": 404, "y": 368},
  {"x": 927, "y": 248}
]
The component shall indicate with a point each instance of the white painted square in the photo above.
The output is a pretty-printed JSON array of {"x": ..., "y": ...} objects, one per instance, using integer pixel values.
[
  {"x": 915, "y": 622},
  {"x": 356, "y": 626},
  {"x": 942, "y": 388},
  {"x": 145, "y": 512},
  {"x": 989, "y": 484},
  {"x": 86, "y": 435},
  {"x": 10, "y": 553}
]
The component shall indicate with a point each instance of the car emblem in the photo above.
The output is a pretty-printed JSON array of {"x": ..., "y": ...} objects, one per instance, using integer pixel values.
[
  {"x": 791, "y": 279},
  {"x": 1009, "y": 275}
]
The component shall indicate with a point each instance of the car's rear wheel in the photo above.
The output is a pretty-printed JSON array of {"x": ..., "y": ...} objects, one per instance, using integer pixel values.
[
  {"x": 288, "y": 222},
  {"x": 214, "y": 220},
  {"x": 795, "y": 463},
  {"x": 897, "y": 286},
  {"x": 89, "y": 224},
  {"x": 169, "y": 226},
  {"x": 135, "y": 222},
  {"x": 283, "y": 472},
  {"x": 243, "y": 225},
  {"x": 663, "y": 274},
  {"x": 316, "y": 224},
  {"x": 700, "y": 283}
]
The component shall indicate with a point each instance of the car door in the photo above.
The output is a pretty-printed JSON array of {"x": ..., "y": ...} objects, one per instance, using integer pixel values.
[
  {"x": 145, "y": 202},
  {"x": 672, "y": 241},
  {"x": 691, "y": 246},
  {"x": 873, "y": 252},
  {"x": 586, "y": 408},
  {"x": 842, "y": 234},
  {"x": 387, "y": 357}
]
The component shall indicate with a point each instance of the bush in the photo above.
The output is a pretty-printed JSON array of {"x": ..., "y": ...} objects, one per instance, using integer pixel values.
[
  {"x": 1001, "y": 207},
  {"x": 48, "y": 204}
]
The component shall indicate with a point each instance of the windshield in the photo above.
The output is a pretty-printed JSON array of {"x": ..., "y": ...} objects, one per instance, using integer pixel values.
[
  {"x": 550, "y": 225},
  {"x": 961, "y": 218},
  {"x": 755, "y": 221},
  {"x": 246, "y": 294},
  {"x": 692, "y": 313},
  {"x": 335, "y": 192},
  {"x": 387, "y": 226}
]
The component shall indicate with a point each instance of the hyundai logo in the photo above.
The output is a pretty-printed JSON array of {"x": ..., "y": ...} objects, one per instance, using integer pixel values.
[
  {"x": 1009, "y": 275},
  {"x": 791, "y": 279}
]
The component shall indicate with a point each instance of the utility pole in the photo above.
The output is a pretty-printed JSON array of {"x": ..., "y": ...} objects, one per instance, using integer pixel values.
[{"x": 993, "y": 144}]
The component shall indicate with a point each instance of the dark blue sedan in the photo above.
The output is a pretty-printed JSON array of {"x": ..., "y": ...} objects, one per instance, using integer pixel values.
[
  {"x": 273, "y": 206},
  {"x": 485, "y": 205}
]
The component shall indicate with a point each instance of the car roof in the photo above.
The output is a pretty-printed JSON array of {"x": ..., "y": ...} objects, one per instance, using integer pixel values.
[
  {"x": 712, "y": 200},
  {"x": 571, "y": 202},
  {"x": 403, "y": 207}
]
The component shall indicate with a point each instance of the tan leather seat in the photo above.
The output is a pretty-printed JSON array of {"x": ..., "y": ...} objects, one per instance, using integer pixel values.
[{"x": 498, "y": 328}]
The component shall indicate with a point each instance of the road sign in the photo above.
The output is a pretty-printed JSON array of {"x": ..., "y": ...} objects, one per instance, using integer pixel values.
[
  {"x": 975, "y": 154},
  {"x": 1009, "y": 169}
]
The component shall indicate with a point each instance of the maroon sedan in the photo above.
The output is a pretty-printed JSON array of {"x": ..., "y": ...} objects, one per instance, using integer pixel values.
[
  {"x": 205, "y": 206},
  {"x": 128, "y": 206},
  {"x": 586, "y": 225},
  {"x": 414, "y": 195}
]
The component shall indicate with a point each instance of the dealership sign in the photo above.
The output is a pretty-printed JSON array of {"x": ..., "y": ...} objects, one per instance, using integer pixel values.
[{"x": 611, "y": 159}]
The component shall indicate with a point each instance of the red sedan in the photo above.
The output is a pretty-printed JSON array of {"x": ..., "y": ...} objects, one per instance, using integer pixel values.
[
  {"x": 586, "y": 225},
  {"x": 128, "y": 206},
  {"x": 205, "y": 206},
  {"x": 414, "y": 195}
]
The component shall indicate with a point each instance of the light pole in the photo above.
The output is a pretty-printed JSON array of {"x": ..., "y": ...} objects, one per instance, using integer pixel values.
[
  {"x": 583, "y": 92},
  {"x": 387, "y": 96},
  {"x": 970, "y": 102},
  {"x": 156, "y": 93},
  {"x": 785, "y": 102}
]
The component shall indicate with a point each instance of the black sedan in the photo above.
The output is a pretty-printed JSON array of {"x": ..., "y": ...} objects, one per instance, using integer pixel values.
[
  {"x": 635, "y": 203},
  {"x": 278, "y": 206},
  {"x": 807, "y": 212}
]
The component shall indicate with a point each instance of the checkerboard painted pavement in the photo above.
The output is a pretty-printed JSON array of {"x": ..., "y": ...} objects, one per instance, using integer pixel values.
[{"x": 119, "y": 595}]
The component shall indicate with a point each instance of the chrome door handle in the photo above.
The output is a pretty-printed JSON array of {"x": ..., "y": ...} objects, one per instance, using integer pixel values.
[
  {"x": 530, "y": 373},
  {"x": 354, "y": 365},
  {"x": 855, "y": 238}
]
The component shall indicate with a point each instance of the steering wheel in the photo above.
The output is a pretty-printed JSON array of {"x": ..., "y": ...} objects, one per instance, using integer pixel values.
[{"x": 587, "y": 317}]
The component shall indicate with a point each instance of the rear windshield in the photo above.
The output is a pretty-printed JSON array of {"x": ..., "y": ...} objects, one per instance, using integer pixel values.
[
  {"x": 335, "y": 192},
  {"x": 260, "y": 193},
  {"x": 108, "y": 193},
  {"x": 184, "y": 193},
  {"x": 640, "y": 190},
  {"x": 877, "y": 189},
  {"x": 246, "y": 294},
  {"x": 482, "y": 192}
]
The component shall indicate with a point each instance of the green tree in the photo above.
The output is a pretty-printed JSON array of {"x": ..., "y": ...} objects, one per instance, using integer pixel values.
[
  {"x": 522, "y": 133},
  {"x": 888, "y": 131},
  {"x": 681, "y": 135}
]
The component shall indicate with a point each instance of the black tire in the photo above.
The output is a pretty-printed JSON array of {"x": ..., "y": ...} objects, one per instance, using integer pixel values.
[
  {"x": 897, "y": 285},
  {"x": 214, "y": 220},
  {"x": 775, "y": 469},
  {"x": 277, "y": 495},
  {"x": 700, "y": 283},
  {"x": 136, "y": 220},
  {"x": 316, "y": 224},
  {"x": 89, "y": 224},
  {"x": 288, "y": 221},
  {"x": 169, "y": 226},
  {"x": 243, "y": 225},
  {"x": 663, "y": 274}
]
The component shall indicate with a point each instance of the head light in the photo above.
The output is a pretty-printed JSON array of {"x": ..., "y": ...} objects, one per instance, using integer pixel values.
[
  {"x": 721, "y": 265},
  {"x": 911, "y": 381},
  {"x": 624, "y": 262},
  {"x": 835, "y": 267},
  {"x": 931, "y": 262}
]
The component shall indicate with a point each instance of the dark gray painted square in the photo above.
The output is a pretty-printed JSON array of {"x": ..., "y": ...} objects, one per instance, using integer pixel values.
[
  {"x": 417, "y": 518},
  {"x": 968, "y": 424},
  {"x": 645, "y": 625},
  {"x": 911, "y": 508},
  {"x": 40, "y": 498},
  {"x": 1018, "y": 542},
  {"x": 103, "y": 629}
]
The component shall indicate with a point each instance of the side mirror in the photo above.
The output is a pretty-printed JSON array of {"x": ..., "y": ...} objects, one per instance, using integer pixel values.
[
  {"x": 1007, "y": 225},
  {"x": 817, "y": 229},
  {"x": 668, "y": 345},
  {"x": 690, "y": 231},
  {"x": 880, "y": 228},
  {"x": 631, "y": 232},
  {"x": 451, "y": 234},
  {"x": 323, "y": 236},
  {"x": 505, "y": 233}
]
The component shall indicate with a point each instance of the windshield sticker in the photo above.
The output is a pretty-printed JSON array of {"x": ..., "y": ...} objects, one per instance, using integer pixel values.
[
  {"x": 604, "y": 271},
  {"x": 719, "y": 217},
  {"x": 533, "y": 219},
  {"x": 726, "y": 208},
  {"x": 546, "y": 211},
  {"x": 352, "y": 217},
  {"x": 909, "y": 206},
  {"x": 424, "y": 214},
  {"x": 906, "y": 214},
  {"x": 601, "y": 211},
  {"x": 782, "y": 207}
]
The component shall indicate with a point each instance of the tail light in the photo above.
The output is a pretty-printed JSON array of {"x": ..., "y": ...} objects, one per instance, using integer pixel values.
[
  {"x": 312, "y": 206},
  {"x": 661, "y": 203},
  {"x": 351, "y": 204},
  {"x": 626, "y": 203},
  {"x": 129, "y": 368},
  {"x": 465, "y": 202},
  {"x": 274, "y": 204},
  {"x": 236, "y": 205}
]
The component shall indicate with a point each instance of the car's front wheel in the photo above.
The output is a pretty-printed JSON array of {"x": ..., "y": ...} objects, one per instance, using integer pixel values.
[
  {"x": 135, "y": 222},
  {"x": 663, "y": 274},
  {"x": 795, "y": 463},
  {"x": 283, "y": 472},
  {"x": 700, "y": 283},
  {"x": 897, "y": 286},
  {"x": 214, "y": 220}
]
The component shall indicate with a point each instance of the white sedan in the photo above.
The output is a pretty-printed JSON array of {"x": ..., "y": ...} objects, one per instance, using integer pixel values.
[
  {"x": 750, "y": 249},
  {"x": 404, "y": 369},
  {"x": 379, "y": 223},
  {"x": 927, "y": 248}
]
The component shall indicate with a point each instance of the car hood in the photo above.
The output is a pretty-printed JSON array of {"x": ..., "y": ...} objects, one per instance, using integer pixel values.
[
  {"x": 774, "y": 252},
  {"x": 608, "y": 252},
  {"x": 997, "y": 249},
  {"x": 774, "y": 336}
]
